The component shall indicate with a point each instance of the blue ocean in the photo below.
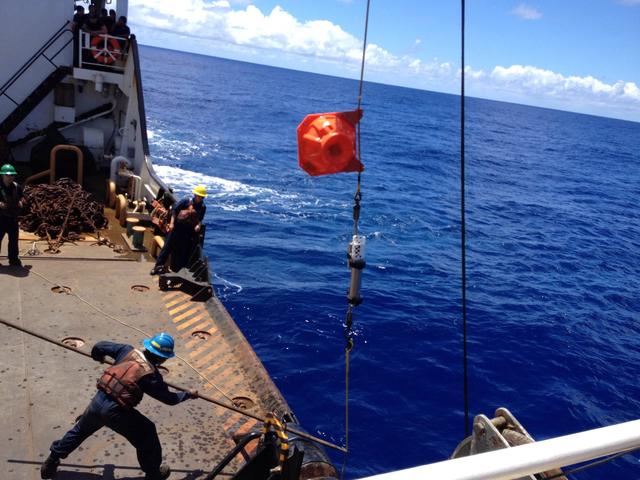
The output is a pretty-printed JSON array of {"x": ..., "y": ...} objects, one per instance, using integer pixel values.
[{"x": 553, "y": 246}]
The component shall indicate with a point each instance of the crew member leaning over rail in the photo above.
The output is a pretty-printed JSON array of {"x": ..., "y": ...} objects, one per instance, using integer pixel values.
[
  {"x": 120, "y": 388},
  {"x": 184, "y": 229}
]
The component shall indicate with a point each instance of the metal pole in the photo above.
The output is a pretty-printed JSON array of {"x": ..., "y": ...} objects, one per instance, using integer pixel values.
[
  {"x": 517, "y": 462},
  {"x": 299, "y": 433}
]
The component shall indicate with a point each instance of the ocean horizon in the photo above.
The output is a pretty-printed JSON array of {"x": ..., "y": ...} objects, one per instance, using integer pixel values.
[{"x": 457, "y": 95}]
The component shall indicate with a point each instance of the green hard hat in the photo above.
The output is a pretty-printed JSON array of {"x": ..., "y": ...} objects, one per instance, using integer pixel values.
[{"x": 7, "y": 169}]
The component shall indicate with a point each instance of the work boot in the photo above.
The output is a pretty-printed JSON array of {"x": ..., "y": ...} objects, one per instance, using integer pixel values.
[
  {"x": 163, "y": 472},
  {"x": 15, "y": 262},
  {"x": 157, "y": 270},
  {"x": 49, "y": 467}
]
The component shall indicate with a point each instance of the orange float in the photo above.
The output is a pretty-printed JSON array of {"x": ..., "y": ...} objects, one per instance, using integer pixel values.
[{"x": 327, "y": 143}]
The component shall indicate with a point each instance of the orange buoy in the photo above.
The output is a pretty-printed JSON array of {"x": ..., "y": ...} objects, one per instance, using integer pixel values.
[{"x": 327, "y": 143}]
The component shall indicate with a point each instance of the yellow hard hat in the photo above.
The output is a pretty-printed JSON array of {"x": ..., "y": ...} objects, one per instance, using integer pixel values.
[{"x": 200, "y": 191}]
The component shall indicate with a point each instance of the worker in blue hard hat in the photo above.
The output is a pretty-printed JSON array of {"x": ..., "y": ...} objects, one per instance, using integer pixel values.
[
  {"x": 10, "y": 205},
  {"x": 120, "y": 389},
  {"x": 184, "y": 229}
]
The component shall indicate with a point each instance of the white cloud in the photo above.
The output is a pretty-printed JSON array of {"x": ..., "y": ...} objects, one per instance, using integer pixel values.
[
  {"x": 277, "y": 31},
  {"x": 546, "y": 82},
  {"x": 526, "y": 12},
  {"x": 538, "y": 86},
  {"x": 277, "y": 37}
]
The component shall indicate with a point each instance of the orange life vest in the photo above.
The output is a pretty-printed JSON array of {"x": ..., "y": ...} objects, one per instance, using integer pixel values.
[
  {"x": 120, "y": 381},
  {"x": 188, "y": 216}
]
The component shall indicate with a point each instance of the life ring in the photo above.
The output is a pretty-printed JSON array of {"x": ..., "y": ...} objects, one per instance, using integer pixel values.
[{"x": 105, "y": 49}]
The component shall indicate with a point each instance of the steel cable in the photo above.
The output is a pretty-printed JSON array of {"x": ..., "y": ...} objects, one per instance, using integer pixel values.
[
  {"x": 463, "y": 240},
  {"x": 356, "y": 217}
]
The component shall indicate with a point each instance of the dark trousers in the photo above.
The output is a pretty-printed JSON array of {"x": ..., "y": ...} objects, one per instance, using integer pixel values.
[
  {"x": 9, "y": 226},
  {"x": 179, "y": 244},
  {"x": 130, "y": 423}
]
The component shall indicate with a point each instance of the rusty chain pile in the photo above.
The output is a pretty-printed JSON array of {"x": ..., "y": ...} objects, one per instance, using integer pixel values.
[{"x": 61, "y": 212}]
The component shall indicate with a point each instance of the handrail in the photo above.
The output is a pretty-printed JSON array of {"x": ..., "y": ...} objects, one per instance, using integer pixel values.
[
  {"x": 86, "y": 45},
  {"x": 52, "y": 164},
  {"x": 529, "y": 459},
  {"x": 141, "y": 110},
  {"x": 35, "y": 56}
]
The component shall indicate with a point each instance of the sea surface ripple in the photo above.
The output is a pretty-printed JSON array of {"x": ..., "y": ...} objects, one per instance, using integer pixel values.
[{"x": 553, "y": 230}]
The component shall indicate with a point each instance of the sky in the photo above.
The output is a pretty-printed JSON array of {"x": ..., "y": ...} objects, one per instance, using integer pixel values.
[{"x": 576, "y": 55}]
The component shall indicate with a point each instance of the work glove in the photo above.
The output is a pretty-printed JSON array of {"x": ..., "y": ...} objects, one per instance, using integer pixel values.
[{"x": 192, "y": 394}]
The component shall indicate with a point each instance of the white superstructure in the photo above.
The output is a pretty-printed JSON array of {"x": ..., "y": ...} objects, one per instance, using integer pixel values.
[{"x": 88, "y": 88}]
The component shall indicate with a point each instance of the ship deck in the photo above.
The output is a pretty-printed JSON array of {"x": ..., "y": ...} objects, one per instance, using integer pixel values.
[{"x": 44, "y": 388}]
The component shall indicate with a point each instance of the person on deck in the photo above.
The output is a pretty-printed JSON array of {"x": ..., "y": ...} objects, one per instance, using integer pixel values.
[
  {"x": 184, "y": 227},
  {"x": 78, "y": 19},
  {"x": 10, "y": 205},
  {"x": 93, "y": 23},
  {"x": 120, "y": 388},
  {"x": 121, "y": 30},
  {"x": 114, "y": 20},
  {"x": 106, "y": 19}
]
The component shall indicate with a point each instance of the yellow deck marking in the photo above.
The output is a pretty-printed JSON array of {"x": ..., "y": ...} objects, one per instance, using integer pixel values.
[
  {"x": 180, "y": 308},
  {"x": 204, "y": 361},
  {"x": 175, "y": 302},
  {"x": 212, "y": 357},
  {"x": 219, "y": 368},
  {"x": 246, "y": 427},
  {"x": 231, "y": 421},
  {"x": 205, "y": 347},
  {"x": 188, "y": 313},
  {"x": 188, "y": 323},
  {"x": 222, "y": 358}
]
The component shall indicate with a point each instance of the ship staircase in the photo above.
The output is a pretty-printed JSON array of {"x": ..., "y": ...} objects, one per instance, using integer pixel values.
[
  {"x": 33, "y": 99},
  {"x": 25, "y": 106}
]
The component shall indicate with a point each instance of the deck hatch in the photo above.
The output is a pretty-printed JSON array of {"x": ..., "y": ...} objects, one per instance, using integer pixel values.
[
  {"x": 245, "y": 403},
  {"x": 75, "y": 342},
  {"x": 61, "y": 289},
  {"x": 139, "y": 288}
]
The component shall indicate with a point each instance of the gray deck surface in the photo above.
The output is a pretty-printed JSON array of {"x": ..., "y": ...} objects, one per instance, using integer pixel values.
[{"x": 44, "y": 388}]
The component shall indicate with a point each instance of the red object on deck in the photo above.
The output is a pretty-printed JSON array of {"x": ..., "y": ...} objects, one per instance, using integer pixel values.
[{"x": 327, "y": 143}]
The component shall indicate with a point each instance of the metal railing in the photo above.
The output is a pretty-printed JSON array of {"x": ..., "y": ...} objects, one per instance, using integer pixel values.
[
  {"x": 39, "y": 53},
  {"x": 102, "y": 51},
  {"x": 517, "y": 462}
]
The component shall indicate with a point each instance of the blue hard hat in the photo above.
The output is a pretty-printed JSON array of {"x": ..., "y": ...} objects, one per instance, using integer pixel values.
[{"x": 161, "y": 344}]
